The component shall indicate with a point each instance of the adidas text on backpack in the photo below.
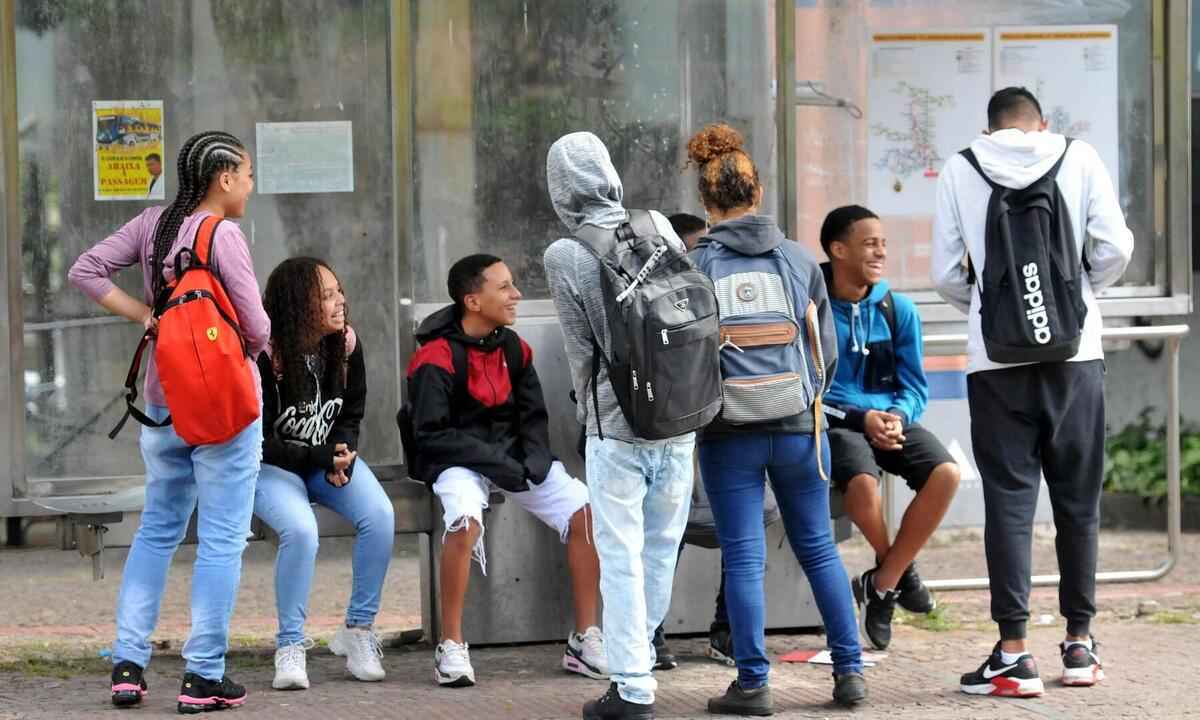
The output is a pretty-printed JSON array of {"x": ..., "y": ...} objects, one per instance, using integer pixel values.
[
  {"x": 1031, "y": 300},
  {"x": 663, "y": 326},
  {"x": 200, "y": 352}
]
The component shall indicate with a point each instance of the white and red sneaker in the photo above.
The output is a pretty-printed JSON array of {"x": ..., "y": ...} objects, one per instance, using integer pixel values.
[
  {"x": 1081, "y": 666},
  {"x": 995, "y": 677}
]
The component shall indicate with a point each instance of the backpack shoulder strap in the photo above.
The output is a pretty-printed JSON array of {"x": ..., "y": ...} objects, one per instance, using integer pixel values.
[
  {"x": 458, "y": 360},
  {"x": 202, "y": 248},
  {"x": 969, "y": 154},
  {"x": 887, "y": 306},
  {"x": 1054, "y": 170},
  {"x": 514, "y": 358},
  {"x": 642, "y": 223},
  {"x": 597, "y": 239}
]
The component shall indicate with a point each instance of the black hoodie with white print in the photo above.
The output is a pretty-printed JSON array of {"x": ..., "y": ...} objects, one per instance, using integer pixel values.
[{"x": 302, "y": 436}]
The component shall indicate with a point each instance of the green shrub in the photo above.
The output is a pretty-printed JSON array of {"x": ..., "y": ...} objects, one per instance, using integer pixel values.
[{"x": 1136, "y": 459}]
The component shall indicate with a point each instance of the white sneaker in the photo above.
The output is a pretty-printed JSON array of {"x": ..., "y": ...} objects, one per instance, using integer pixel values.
[
  {"x": 452, "y": 665},
  {"x": 291, "y": 671},
  {"x": 362, "y": 651},
  {"x": 586, "y": 655}
]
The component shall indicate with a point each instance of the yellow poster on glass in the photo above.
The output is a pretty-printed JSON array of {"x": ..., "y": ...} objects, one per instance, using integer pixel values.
[{"x": 127, "y": 144}]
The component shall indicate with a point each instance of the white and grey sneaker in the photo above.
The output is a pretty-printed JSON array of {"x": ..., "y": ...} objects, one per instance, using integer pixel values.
[
  {"x": 586, "y": 655},
  {"x": 452, "y": 665},
  {"x": 291, "y": 667},
  {"x": 362, "y": 650}
]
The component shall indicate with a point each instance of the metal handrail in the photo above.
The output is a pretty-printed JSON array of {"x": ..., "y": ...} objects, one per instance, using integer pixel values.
[{"x": 1174, "y": 335}]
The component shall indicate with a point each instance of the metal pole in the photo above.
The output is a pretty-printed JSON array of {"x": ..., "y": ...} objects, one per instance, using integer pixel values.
[{"x": 1174, "y": 335}]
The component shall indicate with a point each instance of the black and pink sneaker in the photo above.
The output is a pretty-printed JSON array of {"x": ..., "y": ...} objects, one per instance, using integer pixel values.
[
  {"x": 1081, "y": 666},
  {"x": 199, "y": 695},
  {"x": 128, "y": 686}
]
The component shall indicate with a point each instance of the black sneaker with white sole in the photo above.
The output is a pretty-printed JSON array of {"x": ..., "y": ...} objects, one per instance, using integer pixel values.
[
  {"x": 663, "y": 658},
  {"x": 1081, "y": 666},
  {"x": 720, "y": 645},
  {"x": 128, "y": 685},
  {"x": 995, "y": 677},
  {"x": 198, "y": 694},
  {"x": 913, "y": 595},
  {"x": 874, "y": 610}
]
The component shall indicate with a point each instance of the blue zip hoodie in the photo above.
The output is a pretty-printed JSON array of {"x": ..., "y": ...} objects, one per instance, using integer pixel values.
[{"x": 876, "y": 371}]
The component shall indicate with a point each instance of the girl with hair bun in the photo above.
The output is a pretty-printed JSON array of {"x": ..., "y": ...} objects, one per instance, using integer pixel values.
[
  {"x": 215, "y": 178},
  {"x": 778, "y": 356}
]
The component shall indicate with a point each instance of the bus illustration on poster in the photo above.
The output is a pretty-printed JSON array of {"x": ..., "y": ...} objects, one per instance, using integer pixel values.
[{"x": 128, "y": 150}]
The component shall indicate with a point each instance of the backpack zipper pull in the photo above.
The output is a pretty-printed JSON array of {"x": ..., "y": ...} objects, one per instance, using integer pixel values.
[
  {"x": 730, "y": 343},
  {"x": 635, "y": 385},
  {"x": 649, "y": 392},
  {"x": 666, "y": 340}
]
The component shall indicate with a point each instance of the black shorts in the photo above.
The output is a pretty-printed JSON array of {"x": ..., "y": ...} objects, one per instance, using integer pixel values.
[{"x": 853, "y": 455}]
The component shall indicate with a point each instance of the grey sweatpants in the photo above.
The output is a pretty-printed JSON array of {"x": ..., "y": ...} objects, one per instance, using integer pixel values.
[{"x": 1028, "y": 421}]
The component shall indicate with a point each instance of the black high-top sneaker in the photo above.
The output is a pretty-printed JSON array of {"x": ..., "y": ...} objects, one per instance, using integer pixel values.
[
  {"x": 610, "y": 706},
  {"x": 197, "y": 694},
  {"x": 994, "y": 677},
  {"x": 914, "y": 596},
  {"x": 1081, "y": 667},
  {"x": 128, "y": 686},
  {"x": 664, "y": 659}
]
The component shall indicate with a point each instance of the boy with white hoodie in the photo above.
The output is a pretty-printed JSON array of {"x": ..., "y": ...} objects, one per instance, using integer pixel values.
[{"x": 1050, "y": 415}]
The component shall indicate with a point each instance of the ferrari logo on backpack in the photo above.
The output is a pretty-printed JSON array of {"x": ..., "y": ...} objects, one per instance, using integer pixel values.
[{"x": 211, "y": 333}]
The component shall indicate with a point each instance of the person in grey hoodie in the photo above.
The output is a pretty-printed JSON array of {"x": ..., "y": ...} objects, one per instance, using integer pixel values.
[
  {"x": 1050, "y": 415},
  {"x": 640, "y": 490},
  {"x": 778, "y": 335}
]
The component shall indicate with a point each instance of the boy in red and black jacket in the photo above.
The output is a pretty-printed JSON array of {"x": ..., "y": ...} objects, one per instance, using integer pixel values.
[{"x": 479, "y": 423}]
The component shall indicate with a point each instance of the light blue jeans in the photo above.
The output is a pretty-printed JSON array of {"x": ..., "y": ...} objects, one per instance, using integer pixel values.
[
  {"x": 218, "y": 481},
  {"x": 640, "y": 495},
  {"x": 282, "y": 501}
]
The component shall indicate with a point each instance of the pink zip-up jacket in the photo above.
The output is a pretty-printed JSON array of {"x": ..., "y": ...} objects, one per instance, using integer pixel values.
[{"x": 134, "y": 243}]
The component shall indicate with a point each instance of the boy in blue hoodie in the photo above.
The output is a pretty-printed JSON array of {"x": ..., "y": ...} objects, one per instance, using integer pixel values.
[{"x": 877, "y": 396}]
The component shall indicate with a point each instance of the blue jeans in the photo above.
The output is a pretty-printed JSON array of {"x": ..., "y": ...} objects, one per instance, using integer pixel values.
[
  {"x": 282, "y": 501},
  {"x": 734, "y": 469},
  {"x": 640, "y": 495},
  {"x": 218, "y": 482}
]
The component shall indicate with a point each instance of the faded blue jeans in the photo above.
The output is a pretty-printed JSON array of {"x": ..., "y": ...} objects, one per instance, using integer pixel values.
[
  {"x": 640, "y": 495},
  {"x": 734, "y": 469},
  {"x": 282, "y": 501},
  {"x": 217, "y": 481}
]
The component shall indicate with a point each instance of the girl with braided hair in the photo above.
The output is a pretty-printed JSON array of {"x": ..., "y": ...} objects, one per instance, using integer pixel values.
[
  {"x": 314, "y": 396},
  {"x": 215, "y": 178}
]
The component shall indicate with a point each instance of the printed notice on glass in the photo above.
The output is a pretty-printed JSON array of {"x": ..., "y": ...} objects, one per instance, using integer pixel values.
[
  {"x": 927, "y": 98},
  {"x": 127, "y": 150},
  {"x": 1072, "y": 70},
  {"x": 304, "y": 157}
]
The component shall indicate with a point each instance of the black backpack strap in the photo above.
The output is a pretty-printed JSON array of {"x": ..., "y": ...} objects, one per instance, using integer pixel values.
[
  {"x": 131, "y": 393},
  {"x": 641, "y": 222},
  {"x": 596, "y": 355},
  {"x": 458, "y": 360},
  {"x": 1054, "y": 170},
  {"x": 598, "y": 240},
  {"x": 888, "y": 307},
  {"x": 969, "y": 154},
  {"x": 514, "y": 358}
]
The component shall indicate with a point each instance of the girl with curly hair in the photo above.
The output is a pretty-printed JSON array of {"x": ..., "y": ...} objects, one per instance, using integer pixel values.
[
  {"x": 314, "y": 395},
  {"x": 215, "y": 178}
]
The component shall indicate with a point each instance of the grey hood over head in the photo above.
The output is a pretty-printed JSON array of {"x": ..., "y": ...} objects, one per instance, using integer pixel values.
[{"x": 584, "y": 186}]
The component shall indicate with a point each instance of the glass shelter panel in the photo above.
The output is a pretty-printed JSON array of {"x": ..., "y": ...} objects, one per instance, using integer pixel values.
[
  {"x": 838, "y": 152},
  {"x": 497, "y": 81},
  {"x": 213, "y": 64}
]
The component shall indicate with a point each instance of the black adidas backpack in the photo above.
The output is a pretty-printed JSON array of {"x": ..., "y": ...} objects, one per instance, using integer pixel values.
[
  {"x": 663, "y": 361},
  {"x": 1031, "y": 295}
]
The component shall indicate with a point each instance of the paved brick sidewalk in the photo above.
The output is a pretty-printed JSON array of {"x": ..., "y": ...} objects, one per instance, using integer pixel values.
[
  {"x": 53, "y": 616},
  {"x": 917, "y": 680}
]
